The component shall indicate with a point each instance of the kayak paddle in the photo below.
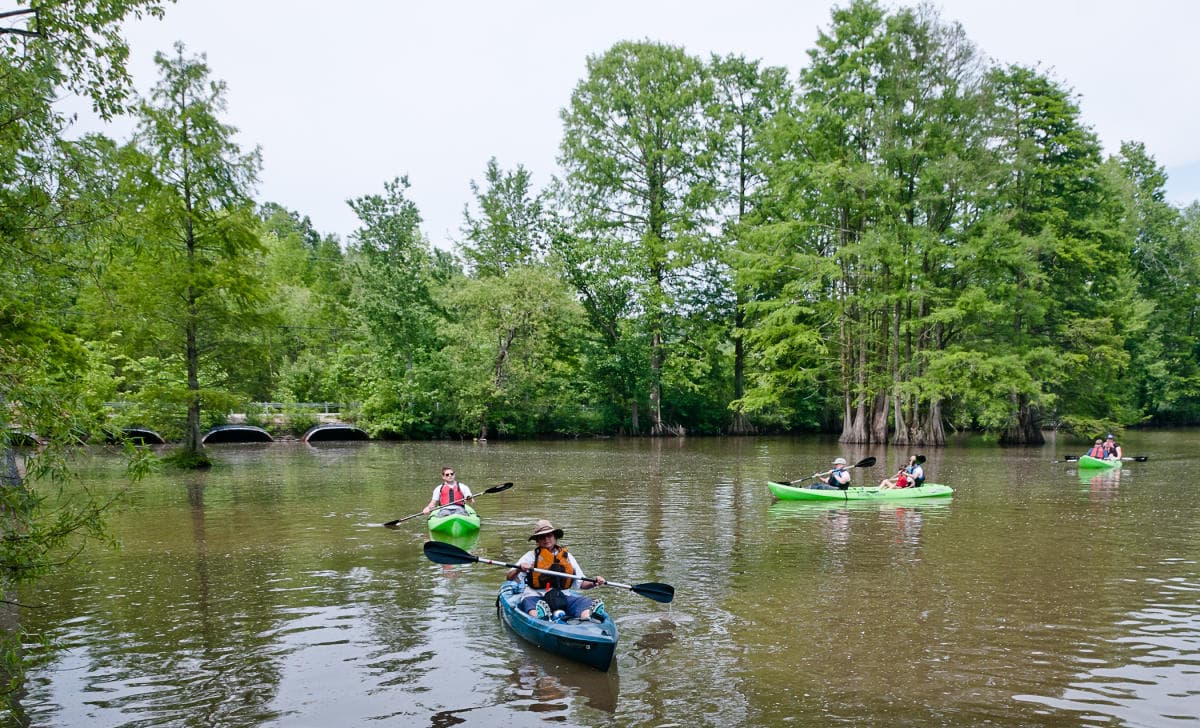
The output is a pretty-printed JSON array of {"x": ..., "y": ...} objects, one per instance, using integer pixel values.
[
  {"x": 440, "y": 552},
  {"x": 493, "y": 489},
  {"x": 864, "y": 463}
]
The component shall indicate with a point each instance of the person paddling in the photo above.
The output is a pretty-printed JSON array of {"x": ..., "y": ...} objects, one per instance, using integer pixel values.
[
  {"x": 836, "y": 479},
  {"x": 449, "y": 493},
  {"x": 547, "y": 597},
  {"x": 1111, "y": 449},
  {"x": 1097, "y": 450},
  {"x": 910, "y": 476}
]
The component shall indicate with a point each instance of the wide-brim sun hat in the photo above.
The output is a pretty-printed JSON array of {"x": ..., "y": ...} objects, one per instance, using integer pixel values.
[
  {"x": 839, "y": 461},
  {"x": 544, "y": 527}
]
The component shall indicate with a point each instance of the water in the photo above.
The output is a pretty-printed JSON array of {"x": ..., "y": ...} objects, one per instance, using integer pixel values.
[{"x": 265, "y": 592}]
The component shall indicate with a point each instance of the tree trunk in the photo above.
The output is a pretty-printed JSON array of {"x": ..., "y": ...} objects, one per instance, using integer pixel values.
[
  {"x": 879, "y": 420},
  {"x": 740, "y": 424},
  {"x": 932, "y": 431},
  {"x": 656, "y": 362},
  {"x": 854, "y": 429},
  {"x": 1025, "y": 429}
]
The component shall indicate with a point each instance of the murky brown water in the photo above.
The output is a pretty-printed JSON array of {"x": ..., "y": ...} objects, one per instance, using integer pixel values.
[{"x": 265, "y": 592}]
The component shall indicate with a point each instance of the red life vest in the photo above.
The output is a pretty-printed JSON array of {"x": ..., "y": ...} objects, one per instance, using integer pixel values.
[
  {"x": 556, "y": 560},
  {"x": 449, "y": 493}
]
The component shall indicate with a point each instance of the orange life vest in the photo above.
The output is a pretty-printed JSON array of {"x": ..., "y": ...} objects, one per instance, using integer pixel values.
[
  {"x": 556, "y": 560},
  {"x": 449, "y": 493}
]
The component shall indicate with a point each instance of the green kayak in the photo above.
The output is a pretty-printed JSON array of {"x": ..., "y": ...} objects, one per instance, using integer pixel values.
[
  {"x": 928, "y": 490},
  {"x": 1087, "y": 461},
  {"x": 454, "y": 520}
]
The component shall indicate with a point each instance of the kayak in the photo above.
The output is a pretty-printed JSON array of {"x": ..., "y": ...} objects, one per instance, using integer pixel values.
[
  {"x": 1087, "y": 461},
  {"x": 454, "y": 520},
  {"x": 928, "y": 490},
  {"x": 590, "y": 642}
]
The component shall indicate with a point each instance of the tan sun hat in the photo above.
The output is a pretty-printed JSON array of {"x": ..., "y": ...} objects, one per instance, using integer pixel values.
[
  {"x": 544, "y": 527},
  {"x": 839, "y": 461}
]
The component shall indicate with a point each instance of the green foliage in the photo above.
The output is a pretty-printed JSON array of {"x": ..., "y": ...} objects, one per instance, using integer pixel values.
[{"x": 638, "y": 150}]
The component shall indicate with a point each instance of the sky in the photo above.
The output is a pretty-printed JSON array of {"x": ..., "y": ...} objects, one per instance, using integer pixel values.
[{"x": 342, "y": 97}]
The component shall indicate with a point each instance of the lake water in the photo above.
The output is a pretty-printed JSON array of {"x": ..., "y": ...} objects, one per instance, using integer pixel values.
[{"x": 265, "y": 592}]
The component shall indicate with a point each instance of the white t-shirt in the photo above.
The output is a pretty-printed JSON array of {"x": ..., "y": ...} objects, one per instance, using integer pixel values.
[
  {"x": 527, "y": 560},
  {"x": 466, "y": 492}
]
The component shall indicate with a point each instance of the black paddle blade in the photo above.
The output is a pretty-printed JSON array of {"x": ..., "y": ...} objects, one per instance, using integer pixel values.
[
  {"x": 1070, "y": 458},
  {"x": 653, "y": 590},
  {"x": 498, "y": 488},
  {"x": 865, "y": 462},
  {"x": 1138, "y": 458},
  {"x": 445, "y": 553}
]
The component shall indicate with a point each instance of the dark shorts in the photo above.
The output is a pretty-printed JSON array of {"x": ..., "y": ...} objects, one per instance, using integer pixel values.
[
  {"x": 575, "y": 604},
  {"x": 822, "y": 486}
]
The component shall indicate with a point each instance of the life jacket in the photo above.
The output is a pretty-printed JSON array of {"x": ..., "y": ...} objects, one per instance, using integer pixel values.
[
  {"x": 550, "y": 561},
  {"x": 918, "y": 481},
  {"x": 1097, "y": 451},
  {"x": 449, "y": 494},
  {"x": 1110, "y": 451}
]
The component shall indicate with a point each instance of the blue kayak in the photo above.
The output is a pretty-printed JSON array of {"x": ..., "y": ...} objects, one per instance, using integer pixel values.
[{"x": 588, "y": 641}]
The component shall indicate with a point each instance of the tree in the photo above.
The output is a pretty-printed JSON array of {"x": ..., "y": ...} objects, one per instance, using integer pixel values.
[
  {"x": 309, "y": 276},
  {"x": 193, "y": 250},
  {"x": 637, "y": 152},
  {"x": 1049, "y": 251},
  {"x": 747, "y": 100},
  {"x": 1166, "y": 259},
  {"x": 510, "y": 227},
  {"x": 48, "y": 205},
  {"x": 397, "y": 273},
  {"x": 870, "y": 190}
]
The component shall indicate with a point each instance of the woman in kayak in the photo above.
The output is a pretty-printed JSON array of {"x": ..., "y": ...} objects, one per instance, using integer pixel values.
[
  {"x": 1112, "y": 449},
  {"x": 546, "y": 596},
  {"x": 910, "y": 476},
  {"x": 836, "y": 479},
  {"x": 1097, "y": 450},
  {"x": 449, "y": 492}
]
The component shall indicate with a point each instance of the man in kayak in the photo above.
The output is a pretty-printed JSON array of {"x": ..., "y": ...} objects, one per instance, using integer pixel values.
[
  {"x": 910, "y": 476},
  {"x": 1097, "y": 450},
  {"x": 545, "y": 596},
  {"x": 1112, "y": 449},
  {"x": 836, "y": 479},
  {"x": 449, "y": 493}
]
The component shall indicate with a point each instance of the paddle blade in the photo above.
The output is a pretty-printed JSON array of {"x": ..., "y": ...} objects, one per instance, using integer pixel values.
[
  {"x": 1137, "y": 458},
  {"x": 444, "y": 553},
  {"x": 653, "y": 590},
  {"x": 498, "y": 488},
  {"x": 1070, "y": 458},
  {"x": 865, "y": 462}
]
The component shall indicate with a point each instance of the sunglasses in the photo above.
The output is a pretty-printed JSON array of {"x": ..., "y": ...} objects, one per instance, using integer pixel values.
[{"x": 451, "y": 472}]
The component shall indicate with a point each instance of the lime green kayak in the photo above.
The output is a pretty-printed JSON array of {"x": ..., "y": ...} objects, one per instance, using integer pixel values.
[
  {"x": 1087, "y": 461},
  {"x": 454, "y": 521},
  {"x": 928, "y": 490}
]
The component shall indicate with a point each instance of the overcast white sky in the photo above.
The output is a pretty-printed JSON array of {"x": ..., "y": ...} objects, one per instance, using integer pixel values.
[{"x": 342, "y": 96}]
